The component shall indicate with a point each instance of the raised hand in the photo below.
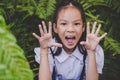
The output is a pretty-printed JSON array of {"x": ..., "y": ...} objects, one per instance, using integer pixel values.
[
  {"x": 92, "y": 38},
  {"x": 45, "y": 40}
]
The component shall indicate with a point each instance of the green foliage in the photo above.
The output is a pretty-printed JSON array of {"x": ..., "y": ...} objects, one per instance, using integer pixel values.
[
  {"x": 114, "y": 4},
  {"x": 23, "y": 16},
  {"x": 112, "y": 45},
  {"x": 13, "y": 64},
  {"x": 90, "y": 3},
  {"x": 45, "y": 8},
  {"x": 23, "y": 32},
  {"x": 2, "y": 22}
]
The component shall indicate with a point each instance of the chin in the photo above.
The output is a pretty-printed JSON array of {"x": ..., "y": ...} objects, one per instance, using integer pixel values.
[{"x": 69, "y": 47}]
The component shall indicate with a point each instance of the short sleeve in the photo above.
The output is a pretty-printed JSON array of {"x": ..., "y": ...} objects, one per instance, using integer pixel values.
[
  {"x": 99, "y": 58},
  {"x": 37, "y": 57}
]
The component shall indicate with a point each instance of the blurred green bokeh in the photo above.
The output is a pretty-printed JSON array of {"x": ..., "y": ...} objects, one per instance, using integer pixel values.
[
  {"x": 23, "y": 16},
  {"x": 13, "y": 64}
]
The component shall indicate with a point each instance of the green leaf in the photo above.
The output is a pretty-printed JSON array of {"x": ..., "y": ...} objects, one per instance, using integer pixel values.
[
  {"x": 13, "y": 64},
  {"x": 112, "y": 45}
]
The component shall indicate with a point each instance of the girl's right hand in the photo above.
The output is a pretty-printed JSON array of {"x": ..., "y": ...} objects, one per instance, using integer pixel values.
[{"x": 45, "y": 40}]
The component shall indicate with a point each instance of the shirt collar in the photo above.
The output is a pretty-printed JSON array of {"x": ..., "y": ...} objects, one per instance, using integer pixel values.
[
  {"x": 63, "y": 56},
  {"x": 77, "y": 54}
]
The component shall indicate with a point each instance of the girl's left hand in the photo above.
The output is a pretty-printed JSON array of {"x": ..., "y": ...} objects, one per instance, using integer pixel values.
[{"x": 92, "y": 39}]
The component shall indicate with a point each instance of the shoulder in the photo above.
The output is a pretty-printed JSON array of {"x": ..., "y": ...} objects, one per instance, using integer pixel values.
[
  {"x": 99, "y": 53},
  {"x": 37, "y": 55},
  {"x": 99, "y": 58}
]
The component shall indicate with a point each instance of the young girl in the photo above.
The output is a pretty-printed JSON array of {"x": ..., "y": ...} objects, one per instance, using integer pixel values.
[{"x": 74, "y": 53}]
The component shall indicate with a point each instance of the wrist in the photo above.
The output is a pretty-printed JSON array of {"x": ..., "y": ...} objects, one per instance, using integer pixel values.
[
  {"x": 43, "y": 52},
  {"x": 91, "y": 52}
]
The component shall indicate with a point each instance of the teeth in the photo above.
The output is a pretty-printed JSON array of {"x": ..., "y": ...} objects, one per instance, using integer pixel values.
[{"x": 70, "y": 37}]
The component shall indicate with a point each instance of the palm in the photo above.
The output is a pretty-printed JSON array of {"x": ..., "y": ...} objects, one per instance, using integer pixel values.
[
  {"x": 92, "y": 38},
  {"x": 45, "y": 40},
  {"x": 46, "y": 37},
  {"x": 92, "y": 41}
]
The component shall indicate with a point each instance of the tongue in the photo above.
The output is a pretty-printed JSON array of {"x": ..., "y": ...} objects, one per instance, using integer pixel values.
[{"x": 70, "y": 41}]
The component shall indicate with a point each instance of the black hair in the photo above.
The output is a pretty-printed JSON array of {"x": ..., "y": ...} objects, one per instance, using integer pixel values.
[{"x": 59, "y": 6}]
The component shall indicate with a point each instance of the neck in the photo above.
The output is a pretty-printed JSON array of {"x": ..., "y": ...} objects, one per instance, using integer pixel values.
[{"x": 69, "y": 51}]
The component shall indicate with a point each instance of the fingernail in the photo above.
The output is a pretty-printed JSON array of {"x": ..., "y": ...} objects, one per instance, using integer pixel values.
[
  {"x": 33, "y": 33},
  {"x": 42, "y": 21},
  {"x": 39, "y": 25}
]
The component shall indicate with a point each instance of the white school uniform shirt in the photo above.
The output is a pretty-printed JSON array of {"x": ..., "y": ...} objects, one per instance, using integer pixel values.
[{"x": 69, "y": 66}]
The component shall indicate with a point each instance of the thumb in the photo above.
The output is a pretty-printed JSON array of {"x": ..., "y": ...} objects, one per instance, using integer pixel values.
[
  {"x": 55, "y": 44},
  {"x": 83, "y": 43}
]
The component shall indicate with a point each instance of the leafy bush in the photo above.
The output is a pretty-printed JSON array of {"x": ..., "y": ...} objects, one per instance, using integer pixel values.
[
  {"x": 23, "y": 16},
  {"x": 13, "y": 64}
]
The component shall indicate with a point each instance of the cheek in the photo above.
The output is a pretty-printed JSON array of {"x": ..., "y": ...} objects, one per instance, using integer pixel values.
[
  {"x": 60, "y": 30},
  {"x": 61, "y": 33},
  {"x": 79, "y": 33}
]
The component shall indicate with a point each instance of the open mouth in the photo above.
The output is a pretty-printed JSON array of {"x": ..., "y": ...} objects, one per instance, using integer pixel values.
[{"x": 70, "y": 39}]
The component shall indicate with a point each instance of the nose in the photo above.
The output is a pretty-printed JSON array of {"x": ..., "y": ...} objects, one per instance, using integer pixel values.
[{"x": 70, "y": 28}]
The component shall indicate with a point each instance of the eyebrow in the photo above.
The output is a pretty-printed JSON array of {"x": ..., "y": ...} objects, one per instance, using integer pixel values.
[
  {"x": 77, "y": 20},
  {"x": 73, "y": 20}
]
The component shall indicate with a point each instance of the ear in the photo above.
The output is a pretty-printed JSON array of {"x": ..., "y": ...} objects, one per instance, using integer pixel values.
[{"x": 55, "y": 28}]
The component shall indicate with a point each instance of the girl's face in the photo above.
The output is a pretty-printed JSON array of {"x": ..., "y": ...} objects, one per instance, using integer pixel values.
[{"x": 69, "y": 27}]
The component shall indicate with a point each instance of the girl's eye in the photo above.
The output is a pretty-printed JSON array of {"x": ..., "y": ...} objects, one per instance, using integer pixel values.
[
  {"x": 63, "y": 24},
  {"x": 77, "y": 24}
]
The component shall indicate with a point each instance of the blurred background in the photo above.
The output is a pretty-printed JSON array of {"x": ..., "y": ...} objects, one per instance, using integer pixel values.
[{"x": 20, "y": 18}]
